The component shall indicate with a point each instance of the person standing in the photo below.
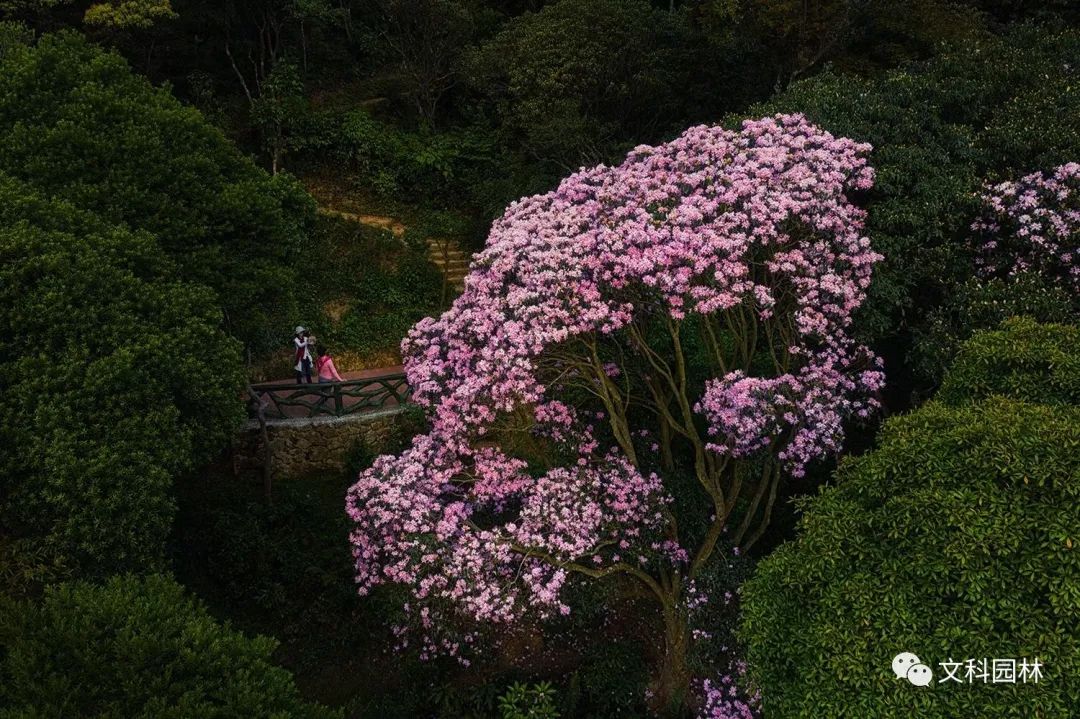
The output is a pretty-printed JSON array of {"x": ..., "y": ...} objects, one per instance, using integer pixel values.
[
  {"x": 325, "y": 365},
  {"x": 302, "y": 355}
]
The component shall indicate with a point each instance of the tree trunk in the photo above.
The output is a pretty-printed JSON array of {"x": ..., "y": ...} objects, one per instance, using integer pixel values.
[{"x": 673, "y": 680}]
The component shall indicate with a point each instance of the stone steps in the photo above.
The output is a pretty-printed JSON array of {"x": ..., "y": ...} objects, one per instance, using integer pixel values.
[
  {"x": 444, "y": 253},
  {"x": 377, "y": 221},
  {"x": 448, "y": 256}
]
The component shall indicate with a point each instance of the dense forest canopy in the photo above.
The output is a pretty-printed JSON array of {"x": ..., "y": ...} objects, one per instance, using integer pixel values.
[{"x": 721, "y": 319}]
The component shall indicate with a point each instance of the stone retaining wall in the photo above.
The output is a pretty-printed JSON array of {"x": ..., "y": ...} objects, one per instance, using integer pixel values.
[{"x": 320, "y": 444}]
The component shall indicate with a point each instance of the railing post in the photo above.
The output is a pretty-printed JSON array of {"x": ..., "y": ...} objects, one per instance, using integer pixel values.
[
  {"x": 338, "y": 405},
  {"x": 268, "y": 454}
]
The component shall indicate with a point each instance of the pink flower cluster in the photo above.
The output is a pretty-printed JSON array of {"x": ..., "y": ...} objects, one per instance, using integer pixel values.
[
  {"x": 802, "y": 412},
  {"x": 724, "y": 700},
  {"x": 756, "y": 221},
  {"x": 1032, "y": 226},
  {"x": 711, "y": 221},
  {"x": 424, "y": 519}
]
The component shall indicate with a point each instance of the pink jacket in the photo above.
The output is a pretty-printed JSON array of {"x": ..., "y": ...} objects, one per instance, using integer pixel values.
[{"x": 327, "y": 370}]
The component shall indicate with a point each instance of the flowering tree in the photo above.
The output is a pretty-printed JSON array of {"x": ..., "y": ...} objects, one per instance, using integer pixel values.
[
  {"x": 1032, "y": 226},
  {"x": 683, "y": 314}
]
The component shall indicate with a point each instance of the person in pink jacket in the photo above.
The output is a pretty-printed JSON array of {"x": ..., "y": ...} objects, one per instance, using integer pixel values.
[{"x": 327, "y": 371}]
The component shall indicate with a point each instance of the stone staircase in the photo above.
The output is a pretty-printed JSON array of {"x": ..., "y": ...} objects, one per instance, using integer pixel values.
[
  {"x": 448, "y": 256},
  {"x": 445, "y": 253},
  {"x": 383, "y": 223}
]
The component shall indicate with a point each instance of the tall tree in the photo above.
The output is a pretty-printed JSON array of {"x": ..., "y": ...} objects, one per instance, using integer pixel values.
[
  {"x": 115, "y": 377},
  {"x": 637, "y": 360},
  {"x": 78, "y": 125}
]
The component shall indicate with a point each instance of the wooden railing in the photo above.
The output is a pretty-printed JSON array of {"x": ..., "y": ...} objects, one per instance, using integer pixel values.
[{"x": 281, "y": 400}]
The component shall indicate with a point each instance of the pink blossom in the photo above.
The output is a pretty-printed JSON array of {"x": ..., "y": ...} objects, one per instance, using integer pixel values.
[
  {"x": 1032, "y": 225},
  {"x": 752, "y": 227}
]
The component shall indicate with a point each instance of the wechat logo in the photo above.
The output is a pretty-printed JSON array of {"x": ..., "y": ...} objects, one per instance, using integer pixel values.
[{"x": 906, "y": 665}]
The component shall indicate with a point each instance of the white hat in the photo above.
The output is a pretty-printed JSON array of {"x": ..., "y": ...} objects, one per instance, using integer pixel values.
[{"x": 298, "y": 330}]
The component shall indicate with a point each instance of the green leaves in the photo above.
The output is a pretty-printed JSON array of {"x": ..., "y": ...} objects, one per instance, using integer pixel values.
[
  {"x": 78, "y": 125},
  {"x": 949, "y": 540},
  {"x": 129, "y": 14},
  {"x": 137, "y": 648},
  {"x": 116, "y": 377},
  {"x": 989, "y": 109},
  {"x": 137, "y": 246},
  {"x": 577, "y": 79},
  {"x": 1023, "y": 360},
  {"x": 525, "y": 701}
]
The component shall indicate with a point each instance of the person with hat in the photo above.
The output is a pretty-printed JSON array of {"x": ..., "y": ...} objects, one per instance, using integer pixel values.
[{"x": 302, "y": 341}]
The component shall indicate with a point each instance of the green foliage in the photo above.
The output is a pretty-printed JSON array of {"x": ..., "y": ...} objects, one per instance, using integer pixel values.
[
  {"x": 129, "y": 14},
  {"x": 14, "y": 35},
  {"x": 425, "y": 39},
  {"x": 577, "y": 80},
  {"x": 283, "y": 568},
  {"x": 279, "y": 109},
  {"x": 1025, "y": 360},
  {"x": 956, "y": 538},
  {"x": 114, "y": 377},
  {"x": 374, "y": 285},
  {"x": 987, "y": 109},
  {"x": 277, "y": 568},
  {"x": 78, "y": 125},
  {"x": 984, "y": 304},
  {"x": 528, "y": 701},
  {"x": 136, "y": 648},
  {"x": 29, "y": 8},
  {"x": 863, "y": 35},
  {"x": 441, "y": 168}
]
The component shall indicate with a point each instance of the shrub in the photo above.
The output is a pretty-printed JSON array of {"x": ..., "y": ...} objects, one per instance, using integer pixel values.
[
  {"x": 138, "y": 648},
  {"x": 983, "y": 304},
  {"x": 1025, "y": 360},
  {"x": 275, "y": 569},
  {"x": 1027, "y": 245},
  {"x": 1033, "y": 225},
  {"x": 438, "y": 168},
  {"x": 114, "y": 377},
  {"x": 578, "y": 80},
  {"x": 954, "y": 539},
  {"x": 364, "y": 288},
  {"x": 279, "y": 568},
  {"x": 525, "y": 701},
  {"x": 78, "y": 125}
]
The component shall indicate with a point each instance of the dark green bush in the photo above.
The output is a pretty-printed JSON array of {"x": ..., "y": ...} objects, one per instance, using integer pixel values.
[
  {"x": 78, "y": 125},
  {"x": 956, "y": 538},
  {"x": 1024, "y": 360},
  {"x": 281, "y": 569},
  {"x": 114, "y": 377},
  {"x": 139, "y": 648},
  {"x": 578, "y": 81},
  {"x": 284, "y": 568},
  {"x": 980, "y": 304},
  {"x": 435, "y": 168},
  {"x": 381, "y": 284}
]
